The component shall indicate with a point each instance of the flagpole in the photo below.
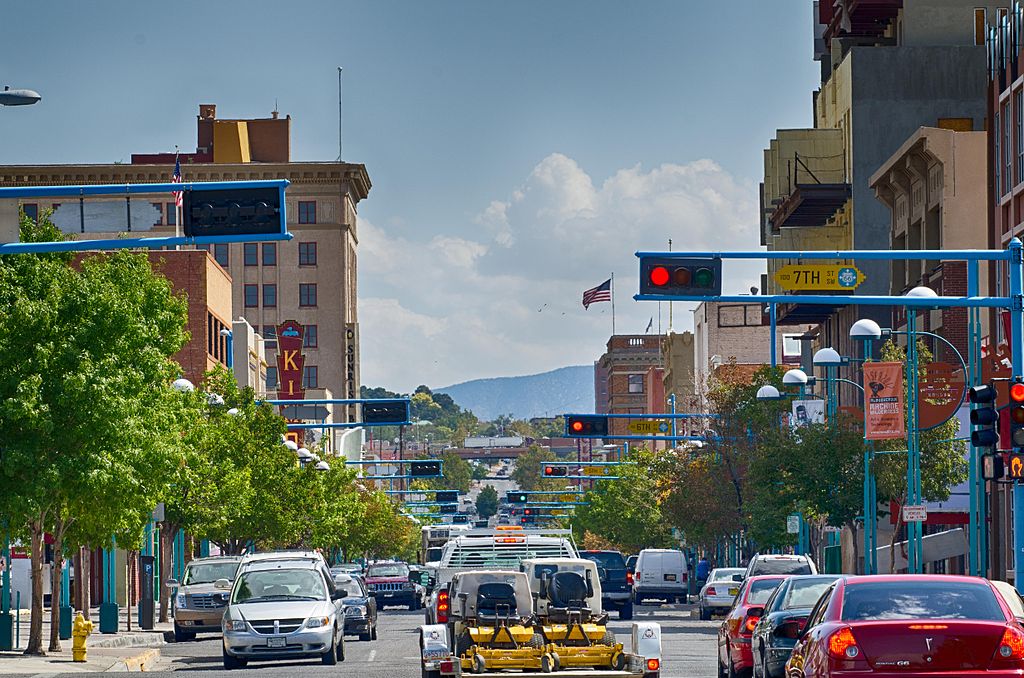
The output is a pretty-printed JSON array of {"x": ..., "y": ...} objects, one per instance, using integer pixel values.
[{"x": 613, "y": 304}]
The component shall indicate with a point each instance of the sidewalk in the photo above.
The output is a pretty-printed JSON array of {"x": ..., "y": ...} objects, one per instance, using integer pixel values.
[{"x": 134, "y": 650}]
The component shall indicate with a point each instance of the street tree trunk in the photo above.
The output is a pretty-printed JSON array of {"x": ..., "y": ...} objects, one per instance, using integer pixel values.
[
  {"x": 55, "y": 584},
  {"x": 85, "y": 604},
  {"x": 35, "y": 633}
]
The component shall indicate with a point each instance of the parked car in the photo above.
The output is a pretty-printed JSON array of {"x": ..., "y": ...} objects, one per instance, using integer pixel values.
[
  {"x": 390, "y": 584},
  {"x": 283, "y": 609},
  {"x": 196, "y": 605},
  {"x": 660, "y": 574},
  {"x": 734, "y": 634},
  {"x": 718, "y": 594},
  {"x": 1013, "y": 599},
  {"x": 360, "y": 607},
  {"x": 348, "y": 568},
  {"x": 775, "y": 635},
  {"x": 910, "y": 625},
  {"x": 631, "y": 563},
  {"x": 616, "y": 581},
  {"x": 779, "y": 564}
]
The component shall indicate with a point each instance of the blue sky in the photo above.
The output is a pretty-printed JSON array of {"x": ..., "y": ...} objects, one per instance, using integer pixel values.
[{"x": 519, "y": 151}]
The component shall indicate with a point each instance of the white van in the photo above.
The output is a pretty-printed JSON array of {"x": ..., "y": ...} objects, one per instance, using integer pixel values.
[{"x": 661, "y": 574}]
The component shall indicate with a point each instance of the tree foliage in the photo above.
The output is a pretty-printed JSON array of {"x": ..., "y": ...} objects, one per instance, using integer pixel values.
[{"x": 487, "y": 502}]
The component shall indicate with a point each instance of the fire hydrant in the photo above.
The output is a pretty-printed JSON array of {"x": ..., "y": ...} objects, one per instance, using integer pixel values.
[{"x": 80, "y": 630}]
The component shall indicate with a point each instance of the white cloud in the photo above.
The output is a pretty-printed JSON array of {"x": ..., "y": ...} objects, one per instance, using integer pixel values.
[{"x": 501, "y": 295}]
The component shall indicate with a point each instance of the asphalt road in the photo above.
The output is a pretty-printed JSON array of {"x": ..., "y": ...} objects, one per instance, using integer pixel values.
[{"x": 688, "y": 647}]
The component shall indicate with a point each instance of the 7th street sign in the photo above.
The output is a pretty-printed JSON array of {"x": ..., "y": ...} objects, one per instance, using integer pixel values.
[
  {"x": 819, "y": 277},
  {"x": 652, "y": 427}
]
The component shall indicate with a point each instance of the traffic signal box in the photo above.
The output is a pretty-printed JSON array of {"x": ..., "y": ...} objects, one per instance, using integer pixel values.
[
  {"x": 1015, "y": 462},
  {"x": 236, "y": 211},
  {"x": 514, "y": 497},
  {"x": 586, "y": 425},
  {"x": 386, "y": 412},
  {"x": 555, "y": 471},
  {"x": 425, "y": 469},
  {"x": 447, "y": 496},
  {"x": 985, "y": 416},
  {"x": 681, "y": 277}
]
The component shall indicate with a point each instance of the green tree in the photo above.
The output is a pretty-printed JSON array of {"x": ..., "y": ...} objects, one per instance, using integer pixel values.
[
  {"x": 528, "y": 471},
  {"x": 487, "y": 502},
  {"x": 457, "y": 474}
]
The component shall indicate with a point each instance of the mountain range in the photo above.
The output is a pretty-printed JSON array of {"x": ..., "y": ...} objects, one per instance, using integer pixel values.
[{"x": 549, "y": 394}]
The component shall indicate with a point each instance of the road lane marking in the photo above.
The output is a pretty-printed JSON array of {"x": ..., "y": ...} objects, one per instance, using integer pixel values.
[{"x": 373, "y": 655}]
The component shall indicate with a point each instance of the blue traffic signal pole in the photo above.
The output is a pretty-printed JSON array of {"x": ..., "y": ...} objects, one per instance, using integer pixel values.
[{"x": 1013, "y": 302}]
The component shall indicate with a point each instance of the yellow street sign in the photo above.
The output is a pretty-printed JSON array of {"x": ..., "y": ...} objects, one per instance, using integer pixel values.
[
  {"x": 819, "y": 277},
  {"x": 597, "y": 470},
  {"x": 650, "y": 427}
]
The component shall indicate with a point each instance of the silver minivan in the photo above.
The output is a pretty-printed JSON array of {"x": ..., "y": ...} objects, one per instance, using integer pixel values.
[{"x": 286, "y": 609}]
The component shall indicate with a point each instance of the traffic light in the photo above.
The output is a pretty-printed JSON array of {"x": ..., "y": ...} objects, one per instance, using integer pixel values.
[
  {"x": 447, "y": 496},
  {"x": 425, "y": 469},
  {"x": 236, "y": 211},
  {"x": 1017, "y": 415},
  {"x": 985, "y": 416},
  {"x": 555, "y": 471},
  {"x": 516, "y": 497},
  {"x": 585, "y": 425},
  {"x": 682, "y": 277},
  {"x": 1015, "y": 467},
  {"x": 992, "y": 466},
  {"x": 386, "y": 412}
]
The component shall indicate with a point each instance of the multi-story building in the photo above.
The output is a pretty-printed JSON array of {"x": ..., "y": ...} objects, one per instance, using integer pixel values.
[
  {"x": 249, "y": 357},
  {"x": 677, "y": 355},
  {"x": 625, "y": 365},
  {"x": 310, "y": 279}
]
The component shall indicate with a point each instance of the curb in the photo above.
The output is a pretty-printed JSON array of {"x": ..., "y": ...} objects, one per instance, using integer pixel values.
[
  {"x": 127, "y": 640},
  {"x": 143, "y": 661}
]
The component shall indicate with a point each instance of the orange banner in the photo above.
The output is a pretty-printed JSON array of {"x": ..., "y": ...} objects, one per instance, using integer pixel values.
[{"x": 885, "y": 417}]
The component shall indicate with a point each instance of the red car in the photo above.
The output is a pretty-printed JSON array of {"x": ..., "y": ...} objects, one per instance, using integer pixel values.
[
  {"x": 909, "y": 626},
  {"x": 734, "y": 655}
]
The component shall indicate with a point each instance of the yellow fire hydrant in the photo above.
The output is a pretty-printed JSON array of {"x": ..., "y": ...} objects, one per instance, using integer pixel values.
[{"x": 80, "y": 630}]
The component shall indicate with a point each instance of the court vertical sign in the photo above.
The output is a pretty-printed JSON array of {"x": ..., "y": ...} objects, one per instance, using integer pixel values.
[
  {"x": 290, "y": 361},
  {"x": 885, "y": 415}
]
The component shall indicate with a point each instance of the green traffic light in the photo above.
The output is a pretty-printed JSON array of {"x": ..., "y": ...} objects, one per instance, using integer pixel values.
[{"x": 703, "y": 277}]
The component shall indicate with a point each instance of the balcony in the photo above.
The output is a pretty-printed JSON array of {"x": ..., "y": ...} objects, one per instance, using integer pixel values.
[
  {"x": 857, "y": 18},
  {"x": 809, "y": 205}
]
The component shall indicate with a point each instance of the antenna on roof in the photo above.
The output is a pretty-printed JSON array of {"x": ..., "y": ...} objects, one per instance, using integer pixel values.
[{"x": 339, "y": 114}]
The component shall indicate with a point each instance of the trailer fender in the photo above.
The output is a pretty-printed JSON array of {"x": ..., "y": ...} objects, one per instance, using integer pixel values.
[
  {"x": 434, "y": 642},
  {"x": 647, "y": 640}
]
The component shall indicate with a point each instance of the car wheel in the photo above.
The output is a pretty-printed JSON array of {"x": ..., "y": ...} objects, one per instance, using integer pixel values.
[
  {"x": 429, "y": 674},
  {"x": 721, "y": 669},
  {"x": 231, "y": 663},
  {"x": 330, "y": 658},
  {"x": 341, "y": 648},
  {"x": 373, "y": 632},
  {"x": 365, "y": 636},
  {"x": 626, "y": 611},
  {"x": 704, "y": 614},
  {"x": 182, "y": 636}
]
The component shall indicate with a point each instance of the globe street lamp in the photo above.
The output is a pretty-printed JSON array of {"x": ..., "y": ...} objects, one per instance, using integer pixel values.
[
  {"x": 18, "y": 97},
  {"x": 768, "y": 392},
  {"x": 183, "y": 385}
]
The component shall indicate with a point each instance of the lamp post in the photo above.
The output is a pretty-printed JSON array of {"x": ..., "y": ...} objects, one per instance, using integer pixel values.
[
  {"x": 830, "y": 359},
  {"x": 866, "y": 331},
  {"x": 230, "y": 337}
]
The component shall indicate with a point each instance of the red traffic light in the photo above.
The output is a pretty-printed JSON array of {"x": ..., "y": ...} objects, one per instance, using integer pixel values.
[
  {"x": 577, "y": 426},
  {"x": 1017, "y": 392},
  {"x": 659, "y": 276}
]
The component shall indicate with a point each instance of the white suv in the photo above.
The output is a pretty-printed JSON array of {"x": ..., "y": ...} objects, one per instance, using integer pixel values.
[{"x": 779, "y": 564}]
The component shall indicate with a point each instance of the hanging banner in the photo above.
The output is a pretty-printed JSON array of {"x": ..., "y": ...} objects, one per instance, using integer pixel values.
[
  {"x": 808, "y": 412},
  {"x": 290, "y": 361},
  {"x": 940, "y": 394},
  {"x": 883, "y": 387}
]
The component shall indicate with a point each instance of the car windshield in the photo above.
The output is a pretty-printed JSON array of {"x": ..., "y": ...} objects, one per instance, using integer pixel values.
[
  {"x": 725, "y": 575},
  {"x": 805, "y": 593},
  {"x": 781, "y": 566},
  {"x": 389, "y": 570},
  {"x": 351, "y": 589},
  {"x": 920, "y": 600},
  {"x": 287, "y": 584},
  {"x": 761, "y": 590},
  {"x": 610, "y": 560},
  {"x": 207, "y": 573}
]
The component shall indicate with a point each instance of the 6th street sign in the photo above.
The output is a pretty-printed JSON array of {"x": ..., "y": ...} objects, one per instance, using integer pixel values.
[
  {"x": 818, "y": 277},
  {"x": 653, "y": 427}
]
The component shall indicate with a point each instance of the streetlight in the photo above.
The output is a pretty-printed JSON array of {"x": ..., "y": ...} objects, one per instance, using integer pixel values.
[
  {"x": 291, "y": 445},
  {"x": 227, "y": 334},
  {"x": 183, "y": 385},
  {"x": 18, "y": 97},
  {"x": 830, "y": 359},
  {"x": 768, "y": 392}
]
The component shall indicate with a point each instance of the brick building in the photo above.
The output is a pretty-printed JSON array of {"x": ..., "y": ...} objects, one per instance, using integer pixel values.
[{"x": 625, "y": 366}]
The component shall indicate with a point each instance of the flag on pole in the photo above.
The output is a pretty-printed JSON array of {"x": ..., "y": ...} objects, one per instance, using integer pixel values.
[
  {"x": 602, "y": 292},
  {"x": 176, "y": 179}
]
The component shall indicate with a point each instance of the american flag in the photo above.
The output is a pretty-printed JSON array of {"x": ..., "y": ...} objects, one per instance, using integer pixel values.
[
  {"x": 176, "y": 179},
  {"x": 602, "y": 292}
]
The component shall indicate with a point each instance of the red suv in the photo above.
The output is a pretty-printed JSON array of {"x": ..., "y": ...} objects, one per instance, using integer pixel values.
[{"x": 734, "y": 655}]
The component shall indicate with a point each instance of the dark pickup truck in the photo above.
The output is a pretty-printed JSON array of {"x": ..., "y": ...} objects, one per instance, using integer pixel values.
[{"x": 616, "y": 581}]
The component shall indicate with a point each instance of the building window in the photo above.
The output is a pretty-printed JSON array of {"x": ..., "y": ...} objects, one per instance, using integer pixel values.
[
  {"x": 205, "y": 248},
  {"x": 270, "y": 254},
  {"x": 309, "y": 377},
  {"x": 636, "y": 383},
  {"x": 270, "y": 336},
  {"x": 252, "y": 296},
  {"x": 998, "y": 157},
  {"x": 270, "y": 296},
  {"x": 31, "y": 210},
  {"x": 250, "y": 254},
  {"x": 307, "y": 212},
  {"x": 309, "y": 337},
  {"x": 1007, "y": 151},
  {"x": 307, "y": 254},
  {"x": 172, "y": 214},
  {"x": 209, "y": 333},
  {"x": 159, "y": 207},
  {"x": 307, "y": 294},
  {"x": 1019, "y": 104},
  {"x": 220, "y": 253},
  {"x": 271, "y": 378}
]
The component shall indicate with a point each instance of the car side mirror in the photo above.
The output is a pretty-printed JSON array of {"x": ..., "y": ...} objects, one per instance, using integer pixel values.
[
  {"x": 737, "y": 577},
  {"x": 755, "y": 612},
  {"x": 791, "y": 628},
  {"x": 371, "y": 594},
  {"x": 338, "y": 595},
  {"x": 172, "y": 583},
  {"x": 222, "y": 584}
]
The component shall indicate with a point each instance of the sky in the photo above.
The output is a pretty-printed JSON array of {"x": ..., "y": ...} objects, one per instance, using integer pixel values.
[{"x": 520, "y": 152}]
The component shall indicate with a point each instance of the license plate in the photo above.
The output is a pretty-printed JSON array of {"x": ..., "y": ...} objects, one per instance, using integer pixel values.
[
  {"x": 670, "y": 577},
  {"x": 734, "y": 592},
  {"x": 389, "y": 595},
  {"x": 276, "y": 642}
]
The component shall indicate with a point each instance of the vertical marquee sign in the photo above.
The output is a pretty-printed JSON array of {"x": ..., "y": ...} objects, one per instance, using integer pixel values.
[{"x": 290, "y": 361}]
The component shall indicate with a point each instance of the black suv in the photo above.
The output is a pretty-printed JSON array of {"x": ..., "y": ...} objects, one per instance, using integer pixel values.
[{"x": 616, "y": 582}]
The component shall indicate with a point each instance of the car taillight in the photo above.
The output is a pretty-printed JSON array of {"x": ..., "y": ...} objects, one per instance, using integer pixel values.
[
  {"x": 442, "y": 607},
  {"x": 750, "y": 624},
  {"x": 711, "y": 591},
  {"x": 1012, "y": 644},
  {"x": 842, "y": 644},
  {"x": 447, "y": 666},
  {"x": 685, "y": 576},
  {"x": 629, "y": 577}
]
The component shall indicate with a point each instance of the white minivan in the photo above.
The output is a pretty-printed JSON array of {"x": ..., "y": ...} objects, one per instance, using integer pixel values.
[{"x": 661, "y": 574}]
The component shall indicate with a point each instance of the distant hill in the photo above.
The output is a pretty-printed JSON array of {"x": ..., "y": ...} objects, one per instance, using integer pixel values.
[{"x": 561, "y": 391}]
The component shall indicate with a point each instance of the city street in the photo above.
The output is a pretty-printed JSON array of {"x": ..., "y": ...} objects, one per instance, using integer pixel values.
[{"x": 688, "y": 646}]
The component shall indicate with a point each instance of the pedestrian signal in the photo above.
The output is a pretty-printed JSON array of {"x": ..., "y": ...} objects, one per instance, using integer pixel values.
[
  {"x": 1015, "y": 469},
  {"x": 992, "y": 467}
]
